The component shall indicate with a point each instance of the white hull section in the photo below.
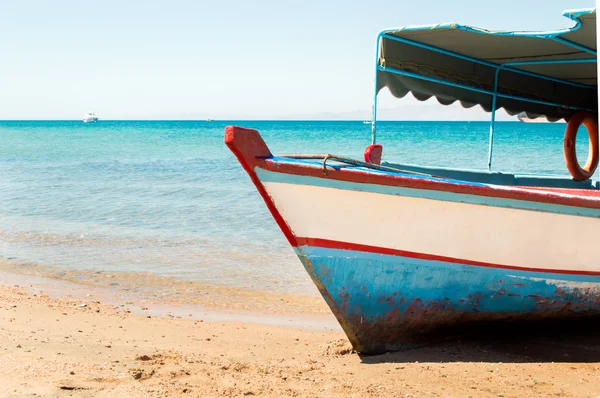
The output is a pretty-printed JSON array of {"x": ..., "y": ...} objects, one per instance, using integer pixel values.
[{"x": 487, "y": 234}]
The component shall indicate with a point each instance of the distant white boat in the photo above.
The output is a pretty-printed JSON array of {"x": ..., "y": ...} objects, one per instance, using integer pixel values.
[
  {"x": 367, "y": 122},
  {"x": 90, "y": 117}
]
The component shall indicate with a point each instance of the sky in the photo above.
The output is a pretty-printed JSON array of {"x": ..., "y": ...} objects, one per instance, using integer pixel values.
[{"x": 236, "y": 59}]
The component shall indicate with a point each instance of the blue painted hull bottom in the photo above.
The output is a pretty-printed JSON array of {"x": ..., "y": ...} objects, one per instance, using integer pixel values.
[{"x": 391, "y": 303}]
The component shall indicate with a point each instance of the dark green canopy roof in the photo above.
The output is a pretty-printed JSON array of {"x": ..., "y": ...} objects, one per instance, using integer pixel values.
[{"x": 540, "y": 73}]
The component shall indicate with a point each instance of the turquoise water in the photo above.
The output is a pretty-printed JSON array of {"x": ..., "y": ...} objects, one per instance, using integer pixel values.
[{"x": 168, "y": 198}]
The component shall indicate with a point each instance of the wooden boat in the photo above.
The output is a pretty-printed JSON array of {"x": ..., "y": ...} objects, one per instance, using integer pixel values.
[{"x": 402, "y": 254}]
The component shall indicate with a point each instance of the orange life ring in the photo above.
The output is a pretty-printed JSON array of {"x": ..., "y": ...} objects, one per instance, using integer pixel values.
[{"x": 590, "y": 122}]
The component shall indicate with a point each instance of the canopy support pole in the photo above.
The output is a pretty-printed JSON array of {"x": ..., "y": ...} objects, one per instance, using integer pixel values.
[
  {"x": 374, "y": 109},
  {"x": 493, "y": 121},
  {"x": 374, "y": 118}
]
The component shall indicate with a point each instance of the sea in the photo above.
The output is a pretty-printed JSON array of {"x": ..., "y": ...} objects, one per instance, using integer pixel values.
[{"x": 167, "y": 199}]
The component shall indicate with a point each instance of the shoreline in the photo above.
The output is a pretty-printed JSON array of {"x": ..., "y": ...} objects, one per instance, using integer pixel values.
[
  {"x": 169, "y": 290},
  {"x": 141, "y": 304},
  {"x": 70, "y": 343}
]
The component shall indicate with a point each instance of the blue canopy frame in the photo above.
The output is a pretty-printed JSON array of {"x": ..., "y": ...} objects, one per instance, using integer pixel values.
[{"x": 507, "y": 66}]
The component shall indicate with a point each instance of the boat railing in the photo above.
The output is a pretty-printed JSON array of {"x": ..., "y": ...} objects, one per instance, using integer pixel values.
[
  {"x": 349, "y": 161},
  {"x": 475, "y": 176}
]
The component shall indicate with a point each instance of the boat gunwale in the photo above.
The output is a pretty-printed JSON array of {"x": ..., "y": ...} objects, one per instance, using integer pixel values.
[
  {"x": 252, "y": 151},
  {"x": 400, "y": 179}
]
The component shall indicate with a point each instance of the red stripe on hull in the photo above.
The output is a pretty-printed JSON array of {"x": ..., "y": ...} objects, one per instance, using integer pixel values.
[
  {"x": 579, "y": 192},
  {"x": 333, "y": 244},
  {"x": 350, "y": 175}
]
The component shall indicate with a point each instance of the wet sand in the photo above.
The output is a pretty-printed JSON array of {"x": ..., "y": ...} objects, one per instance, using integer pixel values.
[
  {"x": 67, "y": 340},
  {"x": 151, "y": 288}
]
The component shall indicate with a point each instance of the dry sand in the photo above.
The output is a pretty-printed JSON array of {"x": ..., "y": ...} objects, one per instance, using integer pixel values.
[{"x": 79, "y": 347}]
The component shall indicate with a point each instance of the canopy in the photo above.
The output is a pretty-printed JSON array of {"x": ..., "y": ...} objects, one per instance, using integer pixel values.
[{"x": 540, "y": 73}]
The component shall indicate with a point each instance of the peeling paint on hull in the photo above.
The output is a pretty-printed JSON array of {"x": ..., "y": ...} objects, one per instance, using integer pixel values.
[{"x": 390, "y": 303}]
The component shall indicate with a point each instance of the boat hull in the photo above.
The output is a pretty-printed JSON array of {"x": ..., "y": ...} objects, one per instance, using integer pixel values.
[
  {"x": 389, "y": 303},
  {"x": 403, "y": 260}
]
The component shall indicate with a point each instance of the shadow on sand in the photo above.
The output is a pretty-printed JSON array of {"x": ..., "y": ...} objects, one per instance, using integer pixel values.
[{"x": 550, "y": 341}]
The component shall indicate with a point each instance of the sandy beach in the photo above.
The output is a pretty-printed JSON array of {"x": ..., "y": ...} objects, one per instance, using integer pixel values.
[
  {"x": 57, "y": 340},
  {"x": 267, "y": 199}
]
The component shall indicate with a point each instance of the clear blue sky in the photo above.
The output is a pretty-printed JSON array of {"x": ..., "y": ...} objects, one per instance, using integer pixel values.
[{"x": 184, "y": 59}]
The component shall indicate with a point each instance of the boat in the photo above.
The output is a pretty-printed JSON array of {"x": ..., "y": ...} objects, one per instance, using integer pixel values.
[
  {"x": 405, "y": 255},
  {"x": 367, "y": 122},
  {"x": 90, "y": 117}
]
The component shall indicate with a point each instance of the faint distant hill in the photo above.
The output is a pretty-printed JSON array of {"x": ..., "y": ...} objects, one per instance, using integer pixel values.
[{"x": 411, "y": 112}]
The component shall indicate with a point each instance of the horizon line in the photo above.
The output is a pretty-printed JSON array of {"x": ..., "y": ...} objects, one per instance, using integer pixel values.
[{"x": 261, "y": 120}]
